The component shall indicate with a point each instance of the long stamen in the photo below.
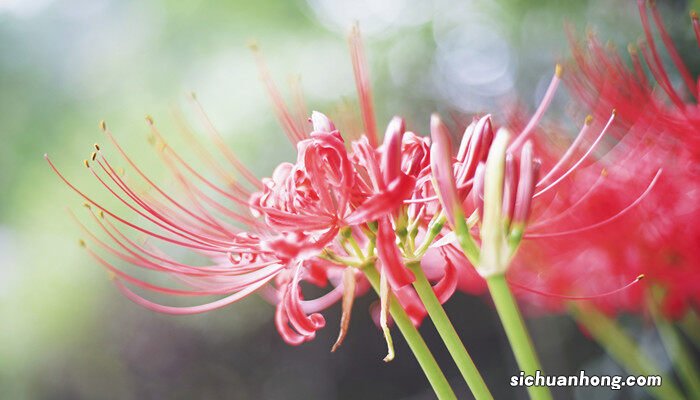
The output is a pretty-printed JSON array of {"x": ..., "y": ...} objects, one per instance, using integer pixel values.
[
  {"x": 672, "y": 51},
  {"x": 150, "y": 205},
  {"x": 190, "y": 188},
  {"x": 364, "y": 91},
  {"x": 192, "y": 309},
  {"x": 185, "y": 216},
  {"x": 537, "y": 116},
  {"x": 570, "y": 151},
  {"x": 696, "y": 25},
  {"x": 158, "y": 212},
  {"x": 205, "y": 155},
  {"x": 568, "y": 210},
  {"x": 221, "y": 145},
  {"x": 166, "y": 224},
  {"x": 292, "y": 128},
  {"x": 301, "y": 110},
  {"x": 172, "y": 264},
  {"x": 138, "y": 170},
  {"x": 655, "y": 59},
  {"x": 163, "y": 265},
  {"x": 125, "y": 222},
  {"x": 637, "y": 64},
  {"x": 570, "y": 297},
  {"x": 581, "y": 160},
  {"x": 604, "y": 222}
]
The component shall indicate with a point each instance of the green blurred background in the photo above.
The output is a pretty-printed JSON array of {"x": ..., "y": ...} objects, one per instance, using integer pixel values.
[{"x": 65, "y": 332}]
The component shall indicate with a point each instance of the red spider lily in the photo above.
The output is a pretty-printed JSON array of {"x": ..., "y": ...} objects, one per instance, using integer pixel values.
[
  {"x": 529, "y": 206},
  {"x": 659, "y": 125},
  {"x": 316, "y": 220}
]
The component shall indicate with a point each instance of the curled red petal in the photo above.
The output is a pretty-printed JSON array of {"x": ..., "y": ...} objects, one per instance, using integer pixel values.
[
  {"x": 446, "y": 286},
  {"x": 390, "y": 256},
  {"x": 383, "y": 203}
]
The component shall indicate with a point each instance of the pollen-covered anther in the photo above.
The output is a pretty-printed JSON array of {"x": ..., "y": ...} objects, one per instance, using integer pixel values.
[
  {"x": 81, "y": 243},
  {"x": 86, "y": 163},
  {"x": 93, "y": 156},
  {"x": 588, "y": 120},
  {"x": 640, "y": 277},
  {"x": 96, "y": 146},
  {"x": 558, "y": 70},
  {"x": 103, "y": 125}
]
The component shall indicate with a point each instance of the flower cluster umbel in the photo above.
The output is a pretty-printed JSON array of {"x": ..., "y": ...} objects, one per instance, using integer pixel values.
[
  {"x": 344, "y": 205},
  {"x": 658, "y": 125}
]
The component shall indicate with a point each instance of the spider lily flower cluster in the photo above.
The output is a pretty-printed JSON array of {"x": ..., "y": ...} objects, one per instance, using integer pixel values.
[
  {"x": 657, "y": 122},
  {"x": 505, "y": 187},
  {"x": 404, "y": 216},
  {"x": 318, "y": 220}
]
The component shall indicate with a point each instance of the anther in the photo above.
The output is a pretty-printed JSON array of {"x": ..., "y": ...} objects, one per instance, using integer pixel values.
[
  {"x": 82, "y": 243},
  {"x": 588, "y": 120},
  {"x": 103, "y": 125},
  {"x": 87, "y": 164},
  {"x": 253, "y": 45},
  {"x": 93, "y": 155},
  {"x": 558, "y": 70},
  {"x": 149, "y": 120}
]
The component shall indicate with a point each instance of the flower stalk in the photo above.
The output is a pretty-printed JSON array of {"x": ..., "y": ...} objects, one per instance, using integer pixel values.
[
  {"x": 496, "y": 252},
  {"x": 622, "y": 348},
  {"x": 690, "y": 324},
  {"x": 676, "y": 350},
  {"x": 517, "y": 333},
  {"x": 449, "y": 336},
  {"x": 414, "y": 340}
]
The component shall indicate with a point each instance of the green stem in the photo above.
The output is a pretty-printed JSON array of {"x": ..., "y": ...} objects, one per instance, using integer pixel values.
[
  {"x": 517, "y": 333},
  {"x": 434, "y": 229},
  {"x": 622, "y": 349},
  {"x": 449, "y": 335},
  {"x": 415, "y": 341},
  {"x": 677, "y": 352},
  {"x": 690, "y": 324}
]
